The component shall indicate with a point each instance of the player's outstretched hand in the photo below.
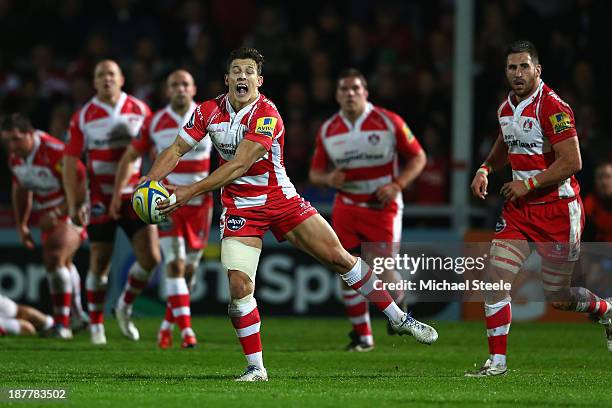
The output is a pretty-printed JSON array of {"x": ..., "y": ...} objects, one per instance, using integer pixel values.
[
  {"x": 479, "y": 185},
  {"x": 513, "y": 190},
  {"x": 180, "y": 196}
]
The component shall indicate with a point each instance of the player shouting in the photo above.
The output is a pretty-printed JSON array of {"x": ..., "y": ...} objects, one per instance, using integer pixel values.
[{"x": 248, "y": 132}]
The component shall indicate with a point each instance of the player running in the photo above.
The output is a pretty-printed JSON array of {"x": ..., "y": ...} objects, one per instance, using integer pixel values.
[
  {"x": 38, "y": 198},
  {"x": 102, "y": 129},
  {"x": 360, "y": 145},
  {"x": 185, "y": 233},
  {"x": 538, "y": 137},
  {"x": 248, "y": 132}
]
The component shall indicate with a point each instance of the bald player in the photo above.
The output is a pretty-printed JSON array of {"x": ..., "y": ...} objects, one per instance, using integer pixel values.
[
  {"x": 185, "y": 233},
  {"x": 102, "y": 130}
]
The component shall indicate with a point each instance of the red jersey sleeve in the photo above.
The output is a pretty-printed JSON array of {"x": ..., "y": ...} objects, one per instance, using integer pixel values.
[
  {"x": 143, "y": 142},
  {"x": 557, "y": 119},
  {"x": 406, "y": 144},
  {"x": 320, "y": 159},
  {"x": 76, "y": 140},
  {"x": 265, "y": 126},
  {"x": 195, "y": 128}
]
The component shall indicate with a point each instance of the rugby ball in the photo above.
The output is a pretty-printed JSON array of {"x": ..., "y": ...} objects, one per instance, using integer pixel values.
[{"x": 145, "y": 199}]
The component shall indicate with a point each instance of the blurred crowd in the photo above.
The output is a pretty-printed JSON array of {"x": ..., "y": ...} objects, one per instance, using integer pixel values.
[{"x": 405, "y": 49}]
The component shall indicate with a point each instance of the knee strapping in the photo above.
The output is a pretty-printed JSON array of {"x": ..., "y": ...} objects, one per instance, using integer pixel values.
[
  {"x": 193, "y": 259},
  {"x": 240, "y": 257},
  {"x": 172, "y": 248},
  {"x": 556, "y": 276},
  {"x": 506, "y": 256}
]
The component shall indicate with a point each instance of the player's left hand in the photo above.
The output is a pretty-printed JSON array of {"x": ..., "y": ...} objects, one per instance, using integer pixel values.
[
  {"x": 181, "y": 194},
  {"x": 513, "y": 190},
  {"x": 387, "y": 193}
]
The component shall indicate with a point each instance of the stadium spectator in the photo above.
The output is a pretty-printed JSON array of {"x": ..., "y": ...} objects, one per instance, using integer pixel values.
[
  {"x": 598, "y": 206},
  {"x": 102, "y": 130},
  {"x": 413, "y": 36}
]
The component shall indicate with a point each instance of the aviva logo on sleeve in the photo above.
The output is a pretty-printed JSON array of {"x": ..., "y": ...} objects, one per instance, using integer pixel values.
[
  {"x": 408, "y": 133},
  {"x": 560, "y": 121},
  {"x": 265, "y": 126}
]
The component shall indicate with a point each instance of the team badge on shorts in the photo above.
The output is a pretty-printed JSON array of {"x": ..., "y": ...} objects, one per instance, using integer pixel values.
[
  {"x": 235, "y": 222},
  {"x": 500, "y": 225},
  {"x": 98, "y": 210}
]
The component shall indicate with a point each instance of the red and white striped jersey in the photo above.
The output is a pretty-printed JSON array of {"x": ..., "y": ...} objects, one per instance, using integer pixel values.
[
  {"x": 160, "y": 131},
  {"x": 367, "y": 151},
  {"x": 530, "y": 129},
  {"x": 266, "y": 182},
  {"x": 41, "y": 171},
  {"x": 103, "y": 132}
]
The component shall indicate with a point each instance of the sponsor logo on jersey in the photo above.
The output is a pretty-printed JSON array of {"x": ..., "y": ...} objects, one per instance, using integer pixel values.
[
  {"x": 408, "y": 133},
  {"x": 518, "y": 143},
  {"x": 527, "y": 125},
  {"x": 235, "y": 222},
  {"x": 500, "y": 225},
  {"x": 354, "y": 155},
  {"x": 560, "y": 122},
  {"x": 373, "y": 139},
  {"x": 265, "y": 126}
]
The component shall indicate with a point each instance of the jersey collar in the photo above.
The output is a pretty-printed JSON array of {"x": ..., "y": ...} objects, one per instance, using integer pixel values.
[
  {"x": 30, "y": 159},
  {"x": 112, "y": 110},
  {"x": 360, "y": 118},
  {"x": 177, "y": 116},
  {"x": 518, "y": 109},
  {"x": 230, "y": 108}
]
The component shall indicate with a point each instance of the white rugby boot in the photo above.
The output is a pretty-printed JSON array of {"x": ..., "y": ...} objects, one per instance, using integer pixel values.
[
  {"x": 488, "y": 370},
  {"x": 98, "y": 336},
  {"x": 422, "y": 332},
  {"x": 253, "y": 373},
  {"x": 123, "y": 314},
  {"x": 60, "y": 332}
]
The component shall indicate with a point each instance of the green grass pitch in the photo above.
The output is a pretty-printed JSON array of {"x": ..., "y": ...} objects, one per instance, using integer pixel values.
[{"x": 562, "y": 365}]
